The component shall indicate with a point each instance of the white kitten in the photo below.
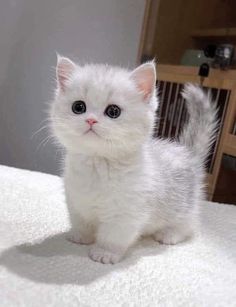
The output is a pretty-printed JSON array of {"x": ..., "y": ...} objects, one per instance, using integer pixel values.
[{"x": 120, "y": 182}]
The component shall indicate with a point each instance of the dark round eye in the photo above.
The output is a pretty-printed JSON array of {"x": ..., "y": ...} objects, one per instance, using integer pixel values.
[
  {"x": 79, "y": 107},
  {"x": 113, "y": 111}
]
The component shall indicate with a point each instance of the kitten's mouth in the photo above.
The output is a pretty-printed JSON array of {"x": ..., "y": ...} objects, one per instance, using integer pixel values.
[{"x": 90, "y": 130}]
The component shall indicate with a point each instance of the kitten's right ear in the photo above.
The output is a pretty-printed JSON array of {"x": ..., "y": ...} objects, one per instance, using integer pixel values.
[
  {"x": 64, "y": 70},
  {"x": 144, "y": 77}
]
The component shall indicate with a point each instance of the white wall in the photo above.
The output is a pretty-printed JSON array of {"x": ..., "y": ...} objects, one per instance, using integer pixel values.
[{"x": 31, "y": 32}]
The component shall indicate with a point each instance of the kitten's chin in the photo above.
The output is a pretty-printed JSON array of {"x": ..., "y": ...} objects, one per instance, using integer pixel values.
[{"x": 92, "y": 144}]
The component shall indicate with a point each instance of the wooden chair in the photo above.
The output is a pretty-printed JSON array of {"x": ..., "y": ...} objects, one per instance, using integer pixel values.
[{"x": 172, "y": 112}]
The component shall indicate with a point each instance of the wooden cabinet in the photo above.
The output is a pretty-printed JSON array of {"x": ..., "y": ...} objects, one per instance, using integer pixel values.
[{"x": 171, "y": 27}]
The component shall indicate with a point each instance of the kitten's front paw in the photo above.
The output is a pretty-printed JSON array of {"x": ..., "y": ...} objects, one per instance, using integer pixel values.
[
  {"x": 99, "y": 254},
  {"x": 76, "y": 238}
]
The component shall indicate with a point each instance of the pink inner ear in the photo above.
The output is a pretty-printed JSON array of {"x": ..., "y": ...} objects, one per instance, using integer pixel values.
[
  {"x": 65, "y": 69},
  {"x": 145, "y": 78},
  {"x": 146, "y": 89}
]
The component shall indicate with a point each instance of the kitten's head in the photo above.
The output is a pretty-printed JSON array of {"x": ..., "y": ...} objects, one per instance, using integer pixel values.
[{"x": 103, "y": 110}]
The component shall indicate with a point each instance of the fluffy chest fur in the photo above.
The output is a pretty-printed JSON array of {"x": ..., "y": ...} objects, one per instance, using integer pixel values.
[{"x": 102, "y": 187}]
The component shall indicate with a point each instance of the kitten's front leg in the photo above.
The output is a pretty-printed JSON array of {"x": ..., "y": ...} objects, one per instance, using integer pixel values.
[
  {"x": 113, "y": 239},
  {"x": 82, "y": 231}
]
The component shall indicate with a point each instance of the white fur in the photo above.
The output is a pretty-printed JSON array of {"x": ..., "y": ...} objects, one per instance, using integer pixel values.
[{"x": 122, "y": 184}]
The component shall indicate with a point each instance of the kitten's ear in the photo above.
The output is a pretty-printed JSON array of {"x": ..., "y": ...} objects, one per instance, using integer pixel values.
[
  {"x": 64, "y": 70},
  {"x": 144, "y": 77}
]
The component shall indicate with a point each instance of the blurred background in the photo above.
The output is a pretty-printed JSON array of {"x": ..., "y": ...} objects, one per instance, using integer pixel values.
[
  {"x": 31, "y": 32},
  {"x": 192, "y": 41}
]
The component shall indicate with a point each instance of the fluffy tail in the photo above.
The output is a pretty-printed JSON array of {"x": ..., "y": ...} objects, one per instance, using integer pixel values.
[{"x": 200, "y": 131}]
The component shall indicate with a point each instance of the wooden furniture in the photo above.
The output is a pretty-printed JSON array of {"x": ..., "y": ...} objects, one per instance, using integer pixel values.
[
  {"x": 172, "y": 113},
  {"x": 171, "y": 27},
  {"x": 215, "y": 33}
]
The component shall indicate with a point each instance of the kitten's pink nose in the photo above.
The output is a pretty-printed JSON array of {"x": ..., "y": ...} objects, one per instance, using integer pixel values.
[{"x": 91, "y": 121}]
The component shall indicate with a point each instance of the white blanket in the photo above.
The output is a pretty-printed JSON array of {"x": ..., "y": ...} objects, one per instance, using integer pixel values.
[{"x": 40, "y": 268}]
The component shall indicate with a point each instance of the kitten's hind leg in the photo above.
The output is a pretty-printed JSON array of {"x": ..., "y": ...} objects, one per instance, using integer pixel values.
[{"x": 173, "y": 234}]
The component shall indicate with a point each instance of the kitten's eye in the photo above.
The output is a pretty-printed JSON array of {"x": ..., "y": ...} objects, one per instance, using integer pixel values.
[
  {"x": 79, "y": 107},
  {"x": 113, "y": 111}
]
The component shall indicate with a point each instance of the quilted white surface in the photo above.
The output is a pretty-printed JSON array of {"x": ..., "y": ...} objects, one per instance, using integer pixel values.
[{"x": 40, "y": 268}]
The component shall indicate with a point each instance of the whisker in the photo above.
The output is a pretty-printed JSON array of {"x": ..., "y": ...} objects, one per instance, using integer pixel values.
[
  {"x": 47, "y": 125},
  {"x": 44, "y": 142},
  {"x": 39, "y": 130}
]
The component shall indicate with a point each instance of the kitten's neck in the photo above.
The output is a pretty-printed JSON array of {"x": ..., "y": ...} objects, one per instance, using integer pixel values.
[{"x": 127, "y": 158}]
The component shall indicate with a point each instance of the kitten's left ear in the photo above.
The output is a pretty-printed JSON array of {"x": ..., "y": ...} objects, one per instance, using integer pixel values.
[
  {"x": 144, "y": 77},
  {"x": 64, "y": 71}
]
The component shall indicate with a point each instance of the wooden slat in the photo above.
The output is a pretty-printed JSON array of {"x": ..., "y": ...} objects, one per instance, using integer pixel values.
[
  {"x": 208, "y": 82},
  {"x": 179, "y": 70},
  {"x": 167, "y": 109},
  {"x": 230, "y": 145},
  {"x": 173, "y": 110},
  {"x": 215, "y": 32},
  {"x": 147, "y": 37},
  {"x": 170, "y": 77},
  {"x": 143, "y": 36},
  {"x": 179, "y": 117},
  {"x": 227, "y": 127}
]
